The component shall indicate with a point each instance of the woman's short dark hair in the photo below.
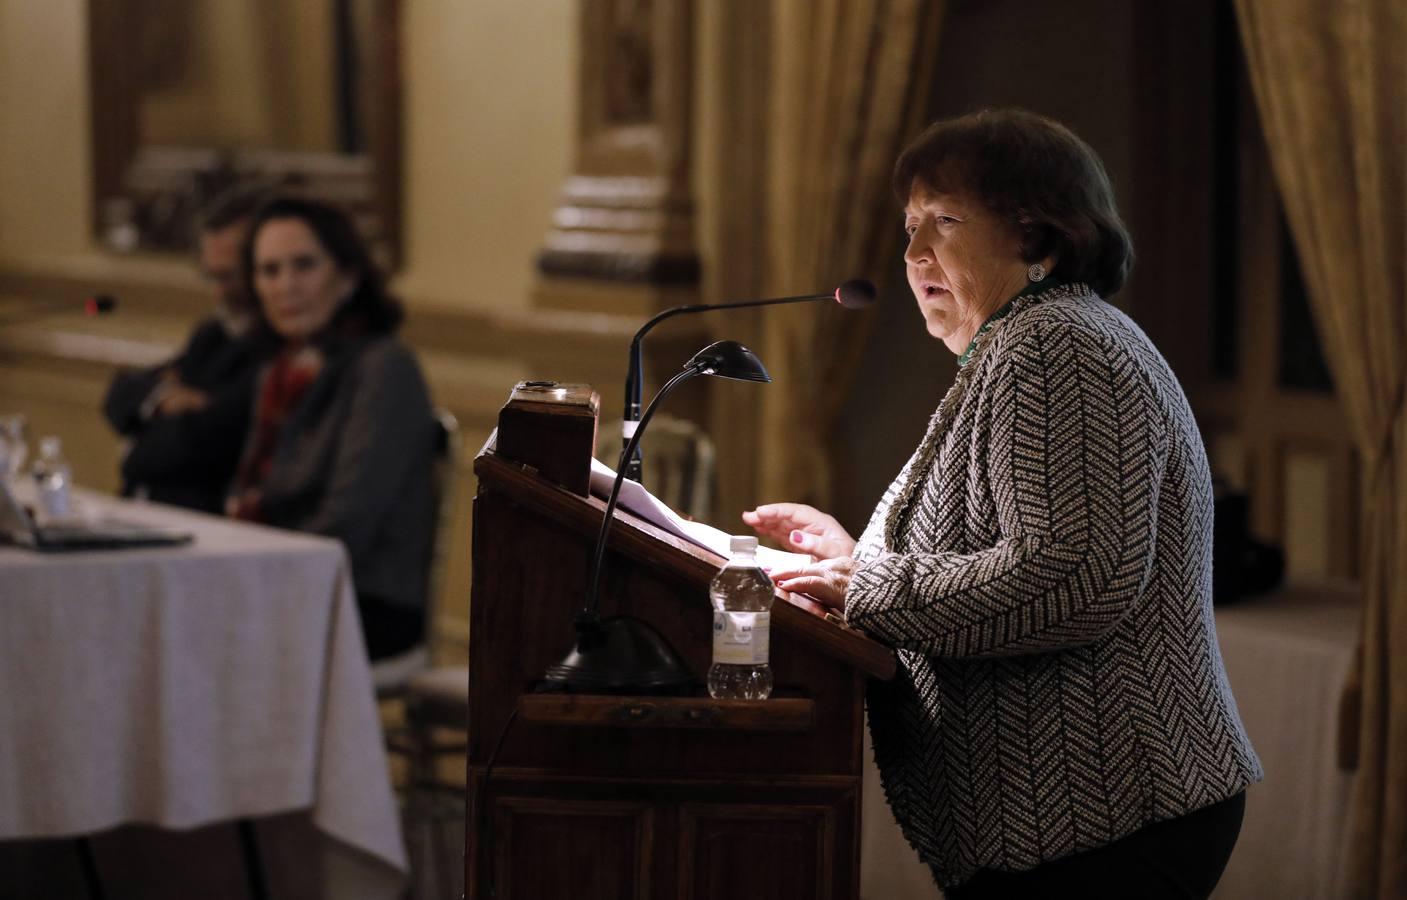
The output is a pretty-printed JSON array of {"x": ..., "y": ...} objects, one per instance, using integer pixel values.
[
  {"x": 1037, "y": 174},
  {"x": 370, "y": 309}
]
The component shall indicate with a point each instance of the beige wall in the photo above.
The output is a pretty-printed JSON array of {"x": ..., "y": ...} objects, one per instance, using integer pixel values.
[
  {"x": 43, "y": 128},
  {"x": 488, "y": 112},
  {"x": 248, "y": 74}
]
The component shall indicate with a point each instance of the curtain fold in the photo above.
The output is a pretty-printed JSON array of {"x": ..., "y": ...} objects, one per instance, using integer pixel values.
[
  {"x": 849, "y": 88},
  {"x": 1330, "y": 81}
]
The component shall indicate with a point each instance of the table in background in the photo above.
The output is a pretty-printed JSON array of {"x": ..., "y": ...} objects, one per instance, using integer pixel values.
[
  {"x": 183, "y": 686},
  {"x": 1287, "y": 655}
]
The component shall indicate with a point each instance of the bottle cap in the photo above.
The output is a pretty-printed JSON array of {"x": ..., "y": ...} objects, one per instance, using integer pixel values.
[{"x": 742, "y": 543}]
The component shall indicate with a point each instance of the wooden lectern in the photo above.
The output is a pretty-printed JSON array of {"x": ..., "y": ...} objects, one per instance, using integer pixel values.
[{"x": 646, "y": 798}]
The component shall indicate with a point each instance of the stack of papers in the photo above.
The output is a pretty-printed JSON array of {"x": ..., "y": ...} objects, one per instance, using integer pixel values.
[{"x": 647, "y": 506}]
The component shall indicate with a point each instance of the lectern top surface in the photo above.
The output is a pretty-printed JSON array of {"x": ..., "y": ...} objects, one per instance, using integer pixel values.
[{"x": 555, "y": 393}]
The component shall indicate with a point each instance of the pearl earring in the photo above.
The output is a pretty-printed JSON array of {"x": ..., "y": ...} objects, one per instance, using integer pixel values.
[{"x": 1036, "y": 272}]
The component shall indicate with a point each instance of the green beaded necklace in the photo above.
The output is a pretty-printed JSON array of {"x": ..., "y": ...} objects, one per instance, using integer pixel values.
[{"x": 1034, "y": 287}]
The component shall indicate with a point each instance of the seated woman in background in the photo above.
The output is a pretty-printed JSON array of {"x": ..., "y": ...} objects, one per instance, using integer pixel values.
[{"x": 341, "y": 441}]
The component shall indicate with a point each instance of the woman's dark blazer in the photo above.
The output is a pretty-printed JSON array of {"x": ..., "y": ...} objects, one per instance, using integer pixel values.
[{"x": 355, "y": 462}]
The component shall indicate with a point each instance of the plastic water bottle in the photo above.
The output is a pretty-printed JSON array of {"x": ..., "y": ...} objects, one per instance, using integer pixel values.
[
  {"x": 742, "y": 625},
  {"x": 53, "y": 476},
  {"x": 13, "y": 448}
]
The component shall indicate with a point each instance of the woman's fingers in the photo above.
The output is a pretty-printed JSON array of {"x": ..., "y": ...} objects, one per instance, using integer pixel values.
[
  {"x": 801, "y": 528},
  {"x": 826, "y": 542},
  {"x": 784, "y": 516},
  {"x": 825, "y": 581},
  {"x": 820, "y": 588},
  {"x": 776, "y": 521},
  {"x": 803, "y": 542},
  {"x": 766, "y": 526}
]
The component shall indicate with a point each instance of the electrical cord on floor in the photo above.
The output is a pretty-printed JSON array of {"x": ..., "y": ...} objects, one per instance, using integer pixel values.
[{"x": 485, "y": 849}]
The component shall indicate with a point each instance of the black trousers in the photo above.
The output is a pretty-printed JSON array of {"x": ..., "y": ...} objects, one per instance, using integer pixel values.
[
  {"x": 387, "y": 628},
  {"x": 1179, "y": 859}
]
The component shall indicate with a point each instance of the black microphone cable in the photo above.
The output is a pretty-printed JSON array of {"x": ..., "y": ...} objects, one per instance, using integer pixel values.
[{"x": 485, "y": 849}]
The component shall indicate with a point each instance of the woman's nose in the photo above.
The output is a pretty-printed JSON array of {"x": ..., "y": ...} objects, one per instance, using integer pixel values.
[
  {"x": 918, "y": 253},
  {"x": 273, "y": 285}
]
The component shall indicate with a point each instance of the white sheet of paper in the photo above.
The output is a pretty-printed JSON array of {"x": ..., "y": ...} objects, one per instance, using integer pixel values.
[{"x": 647, "y": 506}]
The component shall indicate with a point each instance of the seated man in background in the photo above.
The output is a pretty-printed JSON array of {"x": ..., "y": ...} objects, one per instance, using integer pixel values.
[{"x": 186, "y": 419}]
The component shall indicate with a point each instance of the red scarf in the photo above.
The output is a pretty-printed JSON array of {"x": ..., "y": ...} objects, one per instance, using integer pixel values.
[{"x": 285, "y": 381}]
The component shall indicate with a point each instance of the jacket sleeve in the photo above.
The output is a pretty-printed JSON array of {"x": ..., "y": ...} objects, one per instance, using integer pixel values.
[
  {"x": 387, "y": 434},
  {"x": 203, "y": 445},
  {"x": 129, "y": 390},
  {"x": 1075, "y": 456}
]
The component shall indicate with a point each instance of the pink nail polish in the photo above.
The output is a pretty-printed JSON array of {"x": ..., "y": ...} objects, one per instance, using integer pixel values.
[{"x": 796, "y": 537}]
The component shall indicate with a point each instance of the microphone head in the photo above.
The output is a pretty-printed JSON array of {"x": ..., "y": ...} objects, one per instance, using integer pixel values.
[
  {"x": 857, "y": 293},
  {"x": 100, "y": 305}
]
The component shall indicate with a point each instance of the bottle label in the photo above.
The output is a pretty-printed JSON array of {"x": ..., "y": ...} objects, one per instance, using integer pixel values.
[
  {"x": 741, "y": 638},
  {"x": 55, "y": 503}
]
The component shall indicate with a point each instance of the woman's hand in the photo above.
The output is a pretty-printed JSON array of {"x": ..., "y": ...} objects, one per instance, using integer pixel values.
[
  {"x": 802, "y": 529},
  {"x": 180, "y": 399},
  {"x": 824, "y": 581}
]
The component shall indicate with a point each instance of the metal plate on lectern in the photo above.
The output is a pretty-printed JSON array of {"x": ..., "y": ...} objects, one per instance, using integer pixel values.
[{"x": 556, "y": 393}]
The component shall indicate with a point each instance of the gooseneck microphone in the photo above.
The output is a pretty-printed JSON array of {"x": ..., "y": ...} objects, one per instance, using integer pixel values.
[
  {"x": 97, "y": 305},
  {"x": 857, "y": 293}
]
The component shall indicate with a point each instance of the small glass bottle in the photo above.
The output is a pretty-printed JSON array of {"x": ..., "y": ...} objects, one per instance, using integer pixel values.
[
  {"x": 53, "y": 476},
  {"x": 742, "y": 623}
]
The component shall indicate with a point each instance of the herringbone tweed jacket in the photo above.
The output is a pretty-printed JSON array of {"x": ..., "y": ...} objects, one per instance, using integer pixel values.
[{"x": 1043, "y": 566}]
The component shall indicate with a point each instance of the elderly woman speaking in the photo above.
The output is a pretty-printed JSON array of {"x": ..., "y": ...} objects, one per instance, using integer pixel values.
[{"x": 1061, "y": 723}]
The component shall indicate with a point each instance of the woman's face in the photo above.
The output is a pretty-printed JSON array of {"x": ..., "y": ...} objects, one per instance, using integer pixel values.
[
  {"x": 300, "y": 285},
  {"x": 963, "y": 263}
]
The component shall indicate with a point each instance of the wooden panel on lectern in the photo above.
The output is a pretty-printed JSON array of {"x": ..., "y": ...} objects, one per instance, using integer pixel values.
[
  {"x": 599, "y": 848},
  {"x": 549, "y": 425},
  {"x": 775, "y": 839},
  {"x": 748, "y": 850},
  {"x": 600, "y": 798}
]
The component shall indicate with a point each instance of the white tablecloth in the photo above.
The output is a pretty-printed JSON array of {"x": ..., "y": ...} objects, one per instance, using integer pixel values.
[
  {"x": 182, "y": 686},
  {"x": 1287, "y": 655},
  {"x": 889, "y": 868}
]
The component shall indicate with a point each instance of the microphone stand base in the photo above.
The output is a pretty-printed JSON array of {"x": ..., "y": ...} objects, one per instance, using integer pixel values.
[{"x": 620, "y": 655}]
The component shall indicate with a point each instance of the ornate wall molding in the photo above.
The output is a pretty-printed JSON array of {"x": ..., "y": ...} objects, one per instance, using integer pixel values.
[{"x": 626, "y": 212}]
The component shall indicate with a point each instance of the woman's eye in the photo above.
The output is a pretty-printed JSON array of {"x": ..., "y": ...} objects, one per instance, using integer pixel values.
[
  {"x": 946, "y": 220},
  {"x": 910, "y": 228}
]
